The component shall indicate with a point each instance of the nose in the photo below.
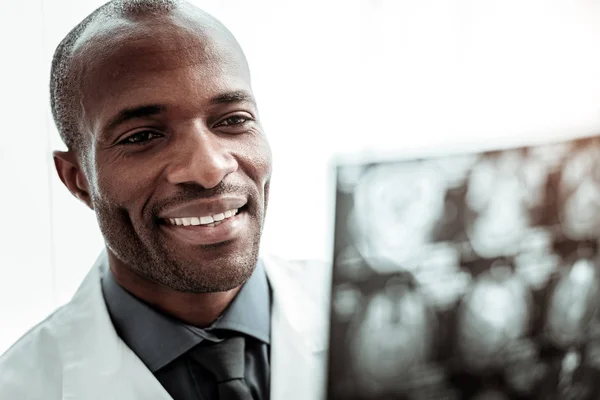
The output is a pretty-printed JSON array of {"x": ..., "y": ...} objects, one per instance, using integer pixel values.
[{"x": 200, "y": 157}]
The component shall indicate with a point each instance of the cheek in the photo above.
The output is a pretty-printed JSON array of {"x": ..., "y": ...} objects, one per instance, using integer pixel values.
[
  {"x": 123, "y": 184},
  {"x": 257, "y": 161}
]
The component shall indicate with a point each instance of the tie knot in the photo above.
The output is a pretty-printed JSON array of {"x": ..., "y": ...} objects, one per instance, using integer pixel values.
[{"x": 224, "y": 359}]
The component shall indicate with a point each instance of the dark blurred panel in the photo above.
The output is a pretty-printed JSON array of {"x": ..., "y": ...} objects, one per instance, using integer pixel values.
[{"x": 473, "y": 277}]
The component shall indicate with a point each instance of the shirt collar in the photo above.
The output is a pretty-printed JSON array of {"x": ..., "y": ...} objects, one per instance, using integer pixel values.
[
  {"x": 158, "y": 339},
  {"x": 250, "y": 311}
]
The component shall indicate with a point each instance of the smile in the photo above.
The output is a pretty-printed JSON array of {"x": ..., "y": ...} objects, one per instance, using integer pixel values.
[
  {"x": 208, "y": 220},
  {"x": 207, "y": 230}
]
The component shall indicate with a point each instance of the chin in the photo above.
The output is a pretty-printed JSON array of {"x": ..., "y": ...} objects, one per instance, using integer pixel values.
[
  {"x": 216, "y": 277},
  {"x": 217, "y": 269}
]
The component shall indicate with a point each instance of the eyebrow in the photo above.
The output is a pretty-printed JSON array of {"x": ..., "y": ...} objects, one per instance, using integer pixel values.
[
  {"x": 134, "y": 113},
  {"x": 238, "y": 96},
  {"x": 127, "y": 114}
]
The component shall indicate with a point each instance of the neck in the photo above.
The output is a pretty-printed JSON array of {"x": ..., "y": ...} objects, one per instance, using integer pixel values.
[{"x": 197, "y": 309}]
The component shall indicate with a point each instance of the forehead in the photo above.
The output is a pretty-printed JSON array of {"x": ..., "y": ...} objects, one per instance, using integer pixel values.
[
  {"x": 129, "y": 61},
  {"x": 154, "y": 42}
]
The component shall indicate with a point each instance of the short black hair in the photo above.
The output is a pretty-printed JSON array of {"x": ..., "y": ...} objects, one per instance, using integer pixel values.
[{"x": 64, "y": 87}]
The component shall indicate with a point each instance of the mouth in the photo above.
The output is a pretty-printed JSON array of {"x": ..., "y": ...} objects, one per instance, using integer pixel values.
[
  {"x": 207, "y": 220},
  {"x": 207, "y": 229}
]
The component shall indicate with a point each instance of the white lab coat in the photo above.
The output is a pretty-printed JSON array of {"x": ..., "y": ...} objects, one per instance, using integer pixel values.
[{"x": 76, "y": 353}]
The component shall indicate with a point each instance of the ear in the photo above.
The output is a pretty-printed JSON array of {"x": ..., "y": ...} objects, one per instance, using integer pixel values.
[{"x": 72, "y": 176}]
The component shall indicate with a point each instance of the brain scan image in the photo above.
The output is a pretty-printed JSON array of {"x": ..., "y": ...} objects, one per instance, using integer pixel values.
[
  {"x": 497, "y": 197},
  {"x": 493, "y": 315},
  {"x": 551, "y": 155},
  {"x": 579, "y": 193},
  {"x": 536, "y": 263},
  {"x": 455, "y": 169},
  {"x": 393, "y": 334},
  {"x": 534, "y": 177},
  {"x": 471, "y": 276},
  {"x": 572, "y": 304},
  {"x": 395, "y": 212},
  {"x": 524, "y": 374}
]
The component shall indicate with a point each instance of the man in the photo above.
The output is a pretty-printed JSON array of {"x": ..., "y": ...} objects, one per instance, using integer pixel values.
[{"x": 154, "y": 102}]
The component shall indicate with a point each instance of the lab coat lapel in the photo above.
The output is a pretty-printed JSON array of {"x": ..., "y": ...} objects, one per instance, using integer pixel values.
[
  {"x": 97, "y": 363},
  {"x": 299, "y": 329}
]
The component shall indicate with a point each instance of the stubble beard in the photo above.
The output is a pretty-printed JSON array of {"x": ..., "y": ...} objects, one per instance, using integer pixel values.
[{"x": 147, "y": 254}]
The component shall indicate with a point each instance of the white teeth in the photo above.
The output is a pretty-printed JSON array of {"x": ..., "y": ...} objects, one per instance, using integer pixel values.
[
  {"x": 209, "y": 220},
  {"x": 206, "y": 220},
  {"x": 195, "y": 221},
  {"x": 219, "y": 217}
]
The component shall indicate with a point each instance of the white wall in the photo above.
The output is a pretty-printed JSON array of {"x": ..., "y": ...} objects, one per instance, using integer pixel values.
[
  {"x": 330, "y": 76},
  {"x": 26, "y": 270}
]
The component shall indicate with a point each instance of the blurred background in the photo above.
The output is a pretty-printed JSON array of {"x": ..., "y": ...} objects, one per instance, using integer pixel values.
[{"x": 334, "y": 76}]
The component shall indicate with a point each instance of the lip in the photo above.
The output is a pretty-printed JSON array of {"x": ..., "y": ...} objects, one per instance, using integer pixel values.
[
  {"x": 206, "y": 207},
  {"x": 229, "y": 229}
]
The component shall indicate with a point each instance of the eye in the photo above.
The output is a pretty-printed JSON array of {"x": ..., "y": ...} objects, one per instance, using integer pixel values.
[
  {"x": 234, "y": 121},
  {"x": 140, "y": 138}
]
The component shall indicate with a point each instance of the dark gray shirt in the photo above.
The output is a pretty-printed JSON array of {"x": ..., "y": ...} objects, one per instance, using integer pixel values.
[{"x": 163, "y": 343}]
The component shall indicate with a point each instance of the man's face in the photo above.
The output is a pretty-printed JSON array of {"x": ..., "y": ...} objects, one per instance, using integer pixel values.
[{"x": 174, "y": 140}]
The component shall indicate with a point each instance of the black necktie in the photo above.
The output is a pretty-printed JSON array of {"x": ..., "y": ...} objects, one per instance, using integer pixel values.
[{"x": 225, "y": 360}]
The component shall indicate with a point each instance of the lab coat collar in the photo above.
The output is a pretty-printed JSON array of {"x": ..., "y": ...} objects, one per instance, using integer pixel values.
[
  {"x": 99, "y": 365},
  {"x": 301, "y": 293}
]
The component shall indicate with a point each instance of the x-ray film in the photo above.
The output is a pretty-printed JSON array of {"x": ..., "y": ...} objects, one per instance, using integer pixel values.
[{"x": 468, "y": 276}]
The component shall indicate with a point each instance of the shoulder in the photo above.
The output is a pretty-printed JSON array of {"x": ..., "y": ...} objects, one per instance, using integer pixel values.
[{"x": 32, "y": 367}]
